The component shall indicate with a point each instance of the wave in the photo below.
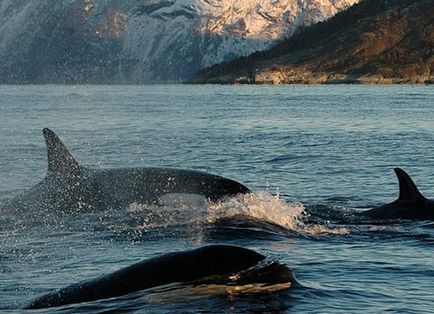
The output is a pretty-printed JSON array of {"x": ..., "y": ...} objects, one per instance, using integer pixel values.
[
  {"x": 272, "y": 211},
  {"x": 258, "y": 215},
  {"x": 260, "y": 211},
  {"x": 263, "y": 215}
]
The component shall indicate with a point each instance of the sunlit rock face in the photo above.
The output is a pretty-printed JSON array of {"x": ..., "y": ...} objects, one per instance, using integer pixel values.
[
  {"x": 171, "y": 40},
  {"x": 141, "y": 41}
]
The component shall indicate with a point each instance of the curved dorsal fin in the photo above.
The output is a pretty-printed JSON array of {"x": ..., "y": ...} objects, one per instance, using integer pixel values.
[
  {"x": 60, "y": 161},
  {"x": 408, "y": 191}
]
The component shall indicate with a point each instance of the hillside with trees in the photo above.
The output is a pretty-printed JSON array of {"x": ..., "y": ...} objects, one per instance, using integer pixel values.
[{"x": 375, "y": 41}]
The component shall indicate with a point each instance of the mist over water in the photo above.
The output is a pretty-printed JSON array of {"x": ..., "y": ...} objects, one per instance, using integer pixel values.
[{"x": 313, "y": 155}]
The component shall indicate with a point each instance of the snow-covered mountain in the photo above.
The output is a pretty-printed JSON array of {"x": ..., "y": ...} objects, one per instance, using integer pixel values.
[{"x": 139, "y": 41}]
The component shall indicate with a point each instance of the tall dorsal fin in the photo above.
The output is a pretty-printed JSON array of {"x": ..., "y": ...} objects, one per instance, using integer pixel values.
[
  {"x": 408, "y": 191},
  {"x": 60, "y": 161}
]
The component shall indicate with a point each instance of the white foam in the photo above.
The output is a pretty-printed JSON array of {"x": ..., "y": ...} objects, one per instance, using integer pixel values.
[
  {"x": 261, "y": 206},
  {"x": 273, "y": 209}
]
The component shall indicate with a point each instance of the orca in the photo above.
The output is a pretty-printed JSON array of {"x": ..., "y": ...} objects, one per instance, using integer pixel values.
[
  {"x": 410, "y": 205},
  {"x": 213, "y": 264},
  {"x": 69, "y": 185}
]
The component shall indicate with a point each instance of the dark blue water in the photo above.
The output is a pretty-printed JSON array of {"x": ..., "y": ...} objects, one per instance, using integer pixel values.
[{"x": 326, "y": 149}]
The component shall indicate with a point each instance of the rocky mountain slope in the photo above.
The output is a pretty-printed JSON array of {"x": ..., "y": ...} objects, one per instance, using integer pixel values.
[
  {"x": 375, "y": 41},
  {"x": 141, "y": 41}
]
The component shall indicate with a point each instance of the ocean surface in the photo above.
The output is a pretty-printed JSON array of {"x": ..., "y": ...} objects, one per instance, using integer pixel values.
[{"x": 311, "y": 154}]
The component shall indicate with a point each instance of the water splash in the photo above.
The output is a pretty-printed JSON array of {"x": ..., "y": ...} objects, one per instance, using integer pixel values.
[
  {"x": 260, "y": 209},
  {"x": 155, "y": 216},
  {"x": 319, "y": 229},
  {"x": 272, "y": 209},
  {"x": 261, "y": 206}
]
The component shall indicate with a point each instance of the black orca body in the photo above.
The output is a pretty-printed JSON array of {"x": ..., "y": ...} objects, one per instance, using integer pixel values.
[
  {"x": 411, "y": 204},
  {"x": 69, "y": 185},
  {"x": 237, "y": 264}
]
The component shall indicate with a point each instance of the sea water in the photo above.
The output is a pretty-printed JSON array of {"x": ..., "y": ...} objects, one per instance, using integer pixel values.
[{"x": 311, "y": 154}]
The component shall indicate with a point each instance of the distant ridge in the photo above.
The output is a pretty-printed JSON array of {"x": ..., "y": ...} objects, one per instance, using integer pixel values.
[
  {"x": 141, "y": 41},
  {"x": 375, "y": 41}
]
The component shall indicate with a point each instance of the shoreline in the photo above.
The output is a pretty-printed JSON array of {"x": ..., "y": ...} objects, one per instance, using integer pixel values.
[{"x": 278, "y": 79}]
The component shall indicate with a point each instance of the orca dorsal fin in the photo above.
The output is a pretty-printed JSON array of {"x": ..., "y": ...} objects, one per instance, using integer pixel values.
[
  {"x": 60, "y": 161},
  {"x": 408, "y": 191}
]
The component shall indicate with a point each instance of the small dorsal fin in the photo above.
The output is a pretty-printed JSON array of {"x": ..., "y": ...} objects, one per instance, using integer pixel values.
[
  {"x": 60, "y": 161},
  {"x": 407, "y": 189}
]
